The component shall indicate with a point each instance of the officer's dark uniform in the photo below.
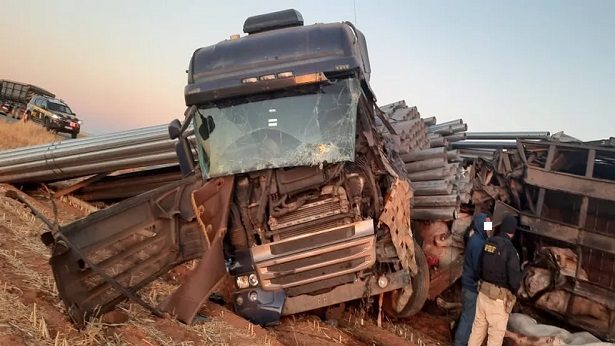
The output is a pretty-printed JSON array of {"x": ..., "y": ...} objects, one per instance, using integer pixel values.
[
  {"x": 500, "y": 263},
  {"x": 500, "y": 280}
]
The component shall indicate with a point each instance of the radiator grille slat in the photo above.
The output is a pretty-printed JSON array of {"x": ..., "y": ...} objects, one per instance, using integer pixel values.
[
  {"x": 312, "y": 258},
  {"x": 308, "y": 212}
]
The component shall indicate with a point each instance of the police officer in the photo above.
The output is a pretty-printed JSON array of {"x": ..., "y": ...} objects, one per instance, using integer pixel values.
[
  {"x": 469, "y": 278},
  {"x": 500, "y": 279}
]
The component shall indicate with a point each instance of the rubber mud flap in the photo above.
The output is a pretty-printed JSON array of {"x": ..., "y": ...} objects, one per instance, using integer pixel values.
[{"x": 211, "y": 204}]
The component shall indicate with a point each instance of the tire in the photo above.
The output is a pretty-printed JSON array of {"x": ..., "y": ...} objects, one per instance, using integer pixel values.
[
  {"x": 420, "y": 288},
  {"x": 73, "y": 135},
  {"x": 46, "y": 124}
]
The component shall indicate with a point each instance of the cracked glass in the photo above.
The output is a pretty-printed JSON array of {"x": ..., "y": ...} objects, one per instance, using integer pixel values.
[{"x": 307, "y": 126}]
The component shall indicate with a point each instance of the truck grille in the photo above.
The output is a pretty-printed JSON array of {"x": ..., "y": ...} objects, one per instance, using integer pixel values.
[
  {"x": 314, "y": 257},
  {"x": 329, "y": 210}
]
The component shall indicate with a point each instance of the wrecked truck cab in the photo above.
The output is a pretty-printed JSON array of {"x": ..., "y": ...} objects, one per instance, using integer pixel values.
[
  {"x": 294, "y": 194},
  {"x": 318, "y": 215}
]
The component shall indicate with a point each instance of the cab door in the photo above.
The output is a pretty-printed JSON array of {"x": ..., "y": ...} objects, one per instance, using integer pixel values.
[{"x": 132, "y": 242}]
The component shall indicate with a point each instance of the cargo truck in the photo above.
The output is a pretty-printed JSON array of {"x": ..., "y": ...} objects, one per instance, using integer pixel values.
[
  {"x": 296, "y": 200},
  {"x": 19, "y": 100},
  {"x": 14, "y": 97}
]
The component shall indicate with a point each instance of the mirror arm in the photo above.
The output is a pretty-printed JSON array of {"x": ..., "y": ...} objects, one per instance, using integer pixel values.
[
  {"x": 189, "y": 114},
  {"x": 188, "y": 166}
]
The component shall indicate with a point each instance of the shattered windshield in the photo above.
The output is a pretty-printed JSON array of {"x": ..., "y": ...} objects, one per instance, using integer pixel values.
[{"x": 305, "y": 128}]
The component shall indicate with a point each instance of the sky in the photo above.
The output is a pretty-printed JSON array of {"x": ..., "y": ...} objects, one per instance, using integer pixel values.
[{"x": 501, "y": 66}]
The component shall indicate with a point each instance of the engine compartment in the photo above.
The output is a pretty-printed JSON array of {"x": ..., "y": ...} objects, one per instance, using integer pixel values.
[{"x": 307, "y": 228}]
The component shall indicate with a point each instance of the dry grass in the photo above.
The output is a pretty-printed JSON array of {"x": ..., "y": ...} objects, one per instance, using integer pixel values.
[{"x": 19, "y": 134}]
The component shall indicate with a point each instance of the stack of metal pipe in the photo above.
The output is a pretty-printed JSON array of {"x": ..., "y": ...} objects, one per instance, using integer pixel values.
[
  {"x": 447, "y": 132},
  {"x": 131, "y": 149},
  {"x": 407, "y": 123},
  {"x": 433, "y": 181},
  {"x": 438, "y": 180},
  {"x": 454, "y": 131},
  {"x": 485, "y": 144}
]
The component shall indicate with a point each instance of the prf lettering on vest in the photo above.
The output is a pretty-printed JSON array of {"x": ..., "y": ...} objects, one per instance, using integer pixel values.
[{"x": 490, "y": 248}]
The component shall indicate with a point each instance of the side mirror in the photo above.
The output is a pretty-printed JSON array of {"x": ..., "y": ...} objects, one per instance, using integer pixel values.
[
  {"x": 207, "y": 127},
  {"x": 175, "y": 129}
]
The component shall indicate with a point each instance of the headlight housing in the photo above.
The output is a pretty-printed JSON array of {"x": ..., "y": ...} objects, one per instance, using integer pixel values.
[
  {"x": 253, "y": 280},
  {"x": 55, "y": 116},
  {"x": 242, "y": 281}
]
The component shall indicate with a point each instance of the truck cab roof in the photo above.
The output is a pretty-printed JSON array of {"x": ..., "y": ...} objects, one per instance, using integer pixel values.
[{"x": 221, "y": 70}]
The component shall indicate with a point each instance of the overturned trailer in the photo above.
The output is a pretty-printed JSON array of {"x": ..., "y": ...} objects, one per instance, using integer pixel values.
[{"x": 564, "y": 194}]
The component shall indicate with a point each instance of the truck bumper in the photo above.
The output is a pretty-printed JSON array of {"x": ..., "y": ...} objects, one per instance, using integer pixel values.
[
  {"x": 344, "y": 293},
  {"x": 258, "y": 306},
  {"x": 63, "y": 127}
]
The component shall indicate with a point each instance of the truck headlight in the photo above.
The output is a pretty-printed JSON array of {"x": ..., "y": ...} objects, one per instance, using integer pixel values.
[
  {"x": 55, "y": 116},
  {"x": 79, "y": 122},
  {"x": 242, "y": 281},
  {"x": 253, "y": 280}
]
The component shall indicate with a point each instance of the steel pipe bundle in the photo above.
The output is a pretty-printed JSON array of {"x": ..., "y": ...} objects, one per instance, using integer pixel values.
[
  {"x": 407, "y": 123},
  {"x": 484, "y": 145},
  {"x": 137, "y": 148},
  {"x": 432, "y": 187},
  {"x": 82, "y": 141},
  {"x": 440, "y": 184},
  {"x": 440, "y": 135},
  {"x": 429, "y": 121},
  {"x": 440, "y": 190},
  {"x": 508, "y": 135},
  {"x": 430, "y": 174},
  {"x": 436, "y": 201},
  {"x": 447, "y": 130},
  {"x": 473, "y": 154},
  {"x": 434, "y": 154}
]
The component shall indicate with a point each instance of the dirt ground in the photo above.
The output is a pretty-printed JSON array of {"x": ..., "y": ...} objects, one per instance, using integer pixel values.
[{"x": 31, "y": 312}]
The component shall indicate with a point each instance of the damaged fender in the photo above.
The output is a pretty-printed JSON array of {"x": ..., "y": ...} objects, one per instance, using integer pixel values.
[
  {"x": 211, "y": 204},
  {"x": 130, "y": 244}
]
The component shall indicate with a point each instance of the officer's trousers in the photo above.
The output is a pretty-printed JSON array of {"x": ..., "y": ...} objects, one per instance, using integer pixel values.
[{"x": 491, "y": 319}]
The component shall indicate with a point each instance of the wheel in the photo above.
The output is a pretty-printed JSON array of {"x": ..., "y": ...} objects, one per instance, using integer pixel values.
[
  {"x": 46, "y": 124},
  {"x": 73, "y": 135},
  {"x": 420, "y": 288}
]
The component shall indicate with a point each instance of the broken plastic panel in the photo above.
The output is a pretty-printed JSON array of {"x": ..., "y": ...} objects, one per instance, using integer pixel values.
[{"x": 303, "y": 128}]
